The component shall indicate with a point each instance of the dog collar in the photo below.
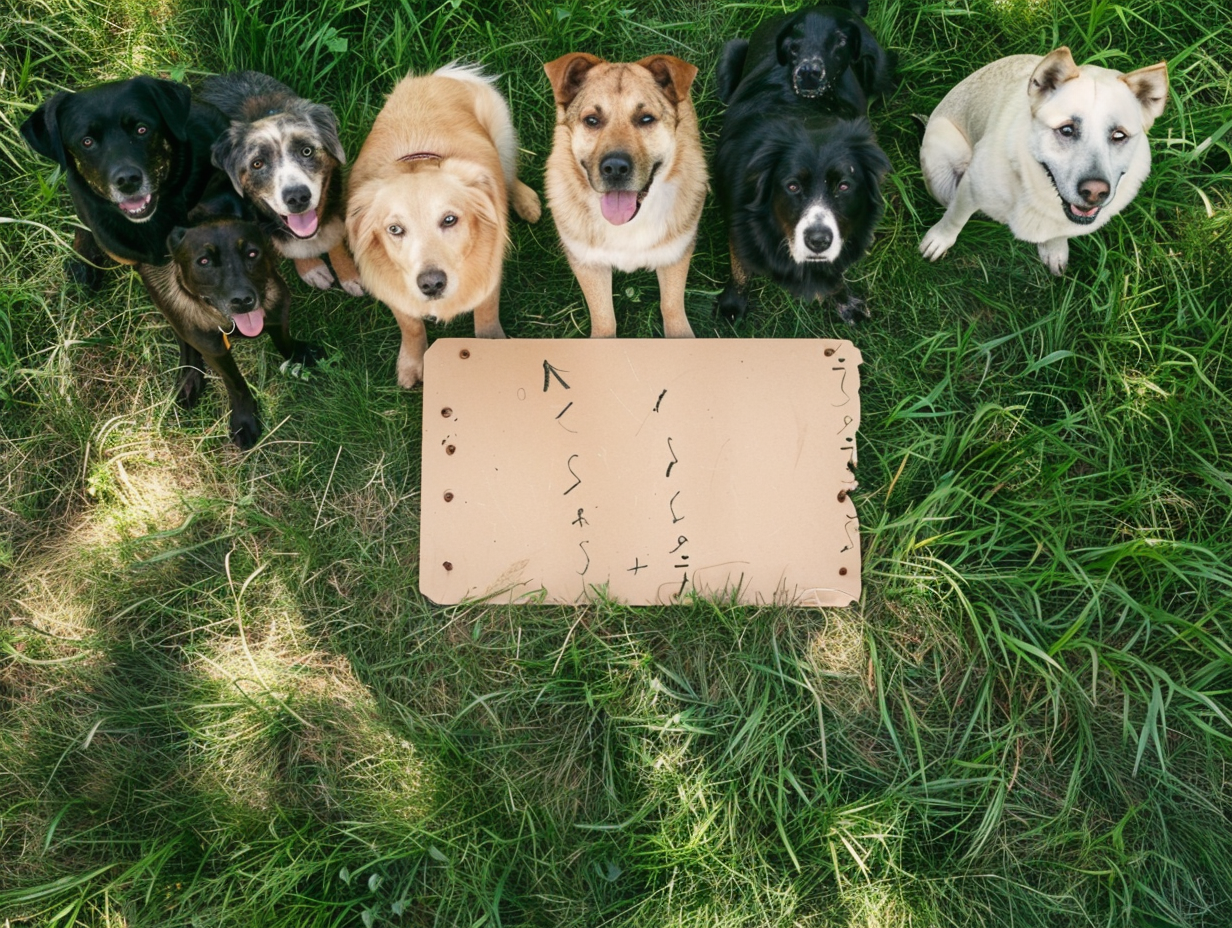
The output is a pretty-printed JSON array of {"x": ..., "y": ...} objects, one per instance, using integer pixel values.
[
  {"x": 226, "y": 342},
  {"x": 422, "y": 156}
]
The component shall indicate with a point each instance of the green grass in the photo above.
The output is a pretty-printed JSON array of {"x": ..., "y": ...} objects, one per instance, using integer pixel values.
[{"x": 224, "y": 702}]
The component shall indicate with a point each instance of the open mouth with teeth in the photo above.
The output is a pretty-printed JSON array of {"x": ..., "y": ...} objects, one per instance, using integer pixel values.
[
  {"x": 1073, "y": 213},
  {"x": 619, "y": 206},
  {"x": 138, "y": 208},
  {"x": 301, "y": 225}
]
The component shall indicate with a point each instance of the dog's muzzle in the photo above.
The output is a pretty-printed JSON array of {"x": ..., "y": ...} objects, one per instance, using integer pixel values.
[{"x": 808, "y": 79}]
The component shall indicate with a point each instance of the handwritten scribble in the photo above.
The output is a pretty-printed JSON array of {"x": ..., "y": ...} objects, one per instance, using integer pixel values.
[
  {"x": 637, "y": 565},
  {"x": 675, "y": 460},
  {"x": 684, "y": 582},
  {"x": 847, "y": 420},
  {"x": 842, "y": 385},
  {"x": 679, "y": 541},
  {"x": 580, "y": 520},
  {"x": 565, "y": 410},
  {"x": 549, "y": 372},
  {"x": 660, "y": 399},
  {"x": 569, "y": 464},
  {"x": 672, "y": 506},
  {"x": 582, "y": 545}
]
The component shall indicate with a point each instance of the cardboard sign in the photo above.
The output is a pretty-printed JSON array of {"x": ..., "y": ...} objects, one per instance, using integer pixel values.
[{"x": 557, "y": 470}]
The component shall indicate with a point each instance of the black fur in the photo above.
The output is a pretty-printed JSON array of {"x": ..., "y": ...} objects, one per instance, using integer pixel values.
[
  {"x": 780, "y": 153},
  {"x": 171, "y": 159},
  {"x": 239, "y": 266},
  {"x": 823, "y": 53}
]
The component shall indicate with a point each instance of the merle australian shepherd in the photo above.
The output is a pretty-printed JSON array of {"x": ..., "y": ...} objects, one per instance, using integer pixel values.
[{"x": 798, "y": 170}]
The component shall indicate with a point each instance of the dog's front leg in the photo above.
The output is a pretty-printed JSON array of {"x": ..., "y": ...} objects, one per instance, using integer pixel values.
[
  {"x": 596, "y": 284},
  {"x": 344, "y": 267},
  {"x": 733, "y": 302},
  {"x": 89, "y": 270},
  {"x": 411, "y": 354},
  {"x": 1055, "y": 254},
  {"x": 672, "y": 278},
  {"x": 245, "y": 425},
  {"x": 939, "y": 238},
  {"x": 487, "y": 316},
  {"x": 192, "y": 377},
  {"x": 850, "y": 307},
  {"x": 293, "y": 350}
]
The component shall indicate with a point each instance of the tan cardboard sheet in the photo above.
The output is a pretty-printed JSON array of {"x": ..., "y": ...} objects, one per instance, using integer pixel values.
[{"x": 644, "y": 468}]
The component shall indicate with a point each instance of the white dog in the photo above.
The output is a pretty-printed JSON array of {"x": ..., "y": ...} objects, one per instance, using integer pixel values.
[{"x": 1051, "y": 149}]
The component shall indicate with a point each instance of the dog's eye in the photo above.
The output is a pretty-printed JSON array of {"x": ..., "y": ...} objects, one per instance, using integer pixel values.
[
  {"x": 204, "y": 261},
  {"x": 591, "y": 121},
  {"x": 646, "y": 119},
  {"x": 252, "y": 253},
  {"x": 1119, "y": 135},
  {"x": 793, "y": 186},
  {"x": 843, "y": 185},
  {"x": 87, "y": 142},
  {"x": 394, "y": 230},
  {"x": 841, "y": 41},
  {"x": 257, "y": 165},
  {"x": 449, "y": 220},
  {"x": 1067, "y": 130},
  {"x": 142, "y": 129},
  {"x": 306, "y": 151}
]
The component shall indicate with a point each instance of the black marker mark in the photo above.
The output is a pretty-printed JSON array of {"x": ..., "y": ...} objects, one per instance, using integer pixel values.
[
  {"x": 548, "y": 372},
  {"x": 847, "y": 420},
  {"x": 684, "y": 581},
  {"x": 566, "y": 409},
  {"x": 582, "y": 545},
  {"x": 842, "y": 385},
  {"x": 637, "y": 565},
  {"x": 580, "y": 520},
  {"x": 660, "y": 399},
  {"x": 679, "y": 541},
  {"x": 675, "y": 459},
  {"x": 569, "y": 464},
  {"x": 672, "y": 506}
]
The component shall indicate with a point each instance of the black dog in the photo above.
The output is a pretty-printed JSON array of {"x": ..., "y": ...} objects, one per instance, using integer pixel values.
[
  {"x": 137, "y": 157},
  {"x": 221, "y": 283},
  {"x": 798, "y": 180},
  {"x": 823, "y": 53}
]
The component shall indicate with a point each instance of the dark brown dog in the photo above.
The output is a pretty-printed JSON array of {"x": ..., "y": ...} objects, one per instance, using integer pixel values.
[{"x": 221, "y": 283}]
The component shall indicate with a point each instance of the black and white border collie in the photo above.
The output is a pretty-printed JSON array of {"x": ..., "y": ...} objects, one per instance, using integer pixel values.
[{"x": 798, "y": 180}]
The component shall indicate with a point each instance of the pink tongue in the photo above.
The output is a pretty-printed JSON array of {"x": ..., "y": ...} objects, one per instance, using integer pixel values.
[
  {"x": 1084, "y": 212},
  {"x": 303, "y": 224},
  {"x": 250, "y": 324},
  {"x": 136, "y": 204},
  {"x": 619, "y": 207}
]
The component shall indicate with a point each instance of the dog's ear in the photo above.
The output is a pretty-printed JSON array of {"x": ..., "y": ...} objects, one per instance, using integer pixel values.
[
  {"x": 673, "y": 76},
  {"x": 1056, "y": 68},
  {"x": 567, "y": 74},
  {"x": 871, "y": 63},
  {"x": 227, "y": 152},
  {"x": 173, "y": 101},
  {"x": 174, "y": 239},
  {"x": 326, "y": 124},
  {"x": 731, "y": 67},
  {"x": 1150, "y": 86},
  {"x": 42, "y": 129}
]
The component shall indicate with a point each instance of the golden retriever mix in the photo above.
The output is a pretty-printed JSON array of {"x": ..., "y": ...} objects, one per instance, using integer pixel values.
[
  {"x": 428, "y": 205},
  {"x": 626, "y": 179}
]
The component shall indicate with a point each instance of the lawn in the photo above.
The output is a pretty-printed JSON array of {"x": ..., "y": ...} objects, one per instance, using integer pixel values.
[{"x": 223, "y": 700}]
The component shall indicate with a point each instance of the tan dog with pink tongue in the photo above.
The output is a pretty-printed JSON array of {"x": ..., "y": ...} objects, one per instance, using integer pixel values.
[{"x": 626, "y": 179}]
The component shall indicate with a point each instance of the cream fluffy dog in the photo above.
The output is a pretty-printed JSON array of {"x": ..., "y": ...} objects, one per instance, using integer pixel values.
[
  {"x": 428, "y": 205},
  {"x": 626, "y": 179},
  {"x": 1049, "y": 148}
]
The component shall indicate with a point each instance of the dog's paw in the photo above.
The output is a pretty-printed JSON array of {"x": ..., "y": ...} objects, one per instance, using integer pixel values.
[
  {"x": 1055, "y": 254},
  {"x": 526, "y": 202},
  {"x": 245, "y": 428},
  {"x": 410, "y": 371},
  {"x": 306, "y": 353},
  {"x": 315, "y": 273},
  {"x": 192, "y": 384},
  {"x": 732, "y": 305},
  {"x": 83, "y": 274},
  {"x": 677, "y": 329},
  {"x": 492, "y": 331},
  {"x": 852, "y": 310},
  {"x": 351, "y": 285},
  {"x": 936, "y": 242}
]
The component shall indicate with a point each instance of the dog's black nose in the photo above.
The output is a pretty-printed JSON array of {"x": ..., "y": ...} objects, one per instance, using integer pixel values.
[
  {"x": 1094, "y": 190},
  {"x": 809, "y": 75},
  {"x": 243, "y": 302},
  {"x": 818, "y": 238},
  {"x": 432, "y": 320},
  {"x": 616, "y": 166},
  {"x": 127, "y": 179},
  {"x": 297, "y": 198},
  {"x": 432, "y": 282}
]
